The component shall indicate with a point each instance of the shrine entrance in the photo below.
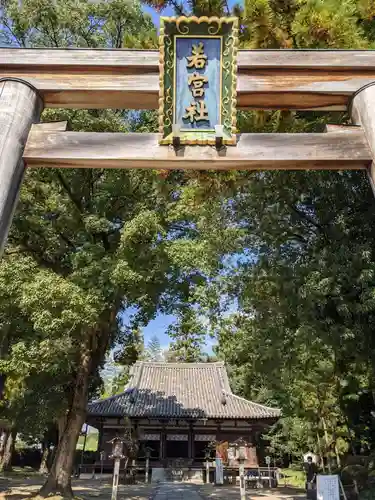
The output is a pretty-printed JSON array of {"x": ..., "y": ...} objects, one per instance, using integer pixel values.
[
  {"x": 177, "y": 446},
  {"x": 197, "y": 81}
]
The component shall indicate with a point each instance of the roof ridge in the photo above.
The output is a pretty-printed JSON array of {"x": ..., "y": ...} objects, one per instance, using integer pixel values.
[
  {"x": 254, "y": 403},
  {"x": 176, "y": 364},
  {"x": 102, "y": 400},
  {"x": 224, "y": 379}
]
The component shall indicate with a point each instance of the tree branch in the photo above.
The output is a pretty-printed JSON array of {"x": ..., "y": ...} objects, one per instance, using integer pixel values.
[
  {"x": 178, "y": 8},
  {"x": 67, "y": 241},
  {"x": 42, "y": 261},
  {"x": 76, "y": 202},
  {"x": 307, "y": 218}
]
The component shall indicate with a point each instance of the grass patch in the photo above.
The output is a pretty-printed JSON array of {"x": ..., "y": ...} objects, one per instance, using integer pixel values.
[
  {"x": 293, "y": 477},
  {"x": 23, "y": 472}
]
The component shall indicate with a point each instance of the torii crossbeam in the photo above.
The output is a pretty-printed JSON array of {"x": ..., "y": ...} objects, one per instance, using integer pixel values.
[{"x": 31, "y": 79}]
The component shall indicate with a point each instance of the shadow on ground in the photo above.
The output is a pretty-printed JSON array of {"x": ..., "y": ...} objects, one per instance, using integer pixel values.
[
  {"x": 16, "y": 488},
  {"x": 210, "y": 492},
  {"x": 19, "y": 489}
]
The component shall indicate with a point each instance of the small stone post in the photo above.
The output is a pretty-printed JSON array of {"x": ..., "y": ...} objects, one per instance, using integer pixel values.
[
  {"x": 20, "y": 107},
  {"x": 207, "y": 453},
  {"x": 268, "y": 462},
  {"x": 117, "y": 455},
  {"x": 148, "y": 454},
  {"x": 240, "y": 445},
  {"x": 102, "y": 455}
]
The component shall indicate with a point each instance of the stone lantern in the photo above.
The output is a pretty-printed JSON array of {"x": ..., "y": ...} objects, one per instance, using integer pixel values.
[
  {"x": 208, "y": 457},
  {"x": 117, "y": 454},
  {"x": 240, "y": 446},
  {"x": 117, "y": 447}
]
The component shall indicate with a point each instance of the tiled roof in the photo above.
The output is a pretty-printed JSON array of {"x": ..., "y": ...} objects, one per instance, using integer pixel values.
[{"x": 180, "y": 390}]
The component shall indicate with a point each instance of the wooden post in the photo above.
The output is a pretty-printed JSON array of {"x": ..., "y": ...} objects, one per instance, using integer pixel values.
[
  {"x": 362, "y": 113},
  {"x": 242, "y": 481},
  {"x": 268, "y": 462},
  {"x": 269, "y": 476},
  {"x": 147, "y": 468},
  {"x": 116, "y": 474},
  {"x": 83, "y": 452},
  {"x": 101, "y": 464},
  {"x": 342, "y": 489},
  {"x": 20, "y": 107},
  {"x": 190, "y": 442}
]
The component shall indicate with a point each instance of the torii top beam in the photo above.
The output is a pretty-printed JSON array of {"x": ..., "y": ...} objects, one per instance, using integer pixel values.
[{"x": 267, "y": 79}]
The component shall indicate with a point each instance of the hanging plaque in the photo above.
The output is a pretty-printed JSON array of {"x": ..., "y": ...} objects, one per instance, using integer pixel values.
[{"x": 198, "y": 79}]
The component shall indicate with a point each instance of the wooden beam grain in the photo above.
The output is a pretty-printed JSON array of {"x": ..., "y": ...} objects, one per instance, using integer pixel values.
[
  {"x": 336, "y": 150},
  {"x": 20, "y": 106},
  {"x": 51, "y": 126},
  {"x": 267, "y": 79},
  {"x": 362, "y": 114}
]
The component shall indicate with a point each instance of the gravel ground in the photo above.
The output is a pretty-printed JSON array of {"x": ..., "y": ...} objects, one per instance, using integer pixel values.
[{"x": 23, "y": 488}]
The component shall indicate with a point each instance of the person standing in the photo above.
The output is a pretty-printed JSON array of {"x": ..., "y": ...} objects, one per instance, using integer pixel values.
[{"x": 311, "y": 472}]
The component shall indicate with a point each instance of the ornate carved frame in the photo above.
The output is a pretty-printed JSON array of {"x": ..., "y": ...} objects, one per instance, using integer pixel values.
[{"x": 227, "y": 29}]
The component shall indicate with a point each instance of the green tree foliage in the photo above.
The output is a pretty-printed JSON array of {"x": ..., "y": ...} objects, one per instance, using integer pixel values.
[
  {"x": 303, "y": 282},
  {"x": 87, "y": 245},
  {"x": 153, "y": 351},
  {"x": 302, "y": 275},
  {"x": 193, "y": 7},
  {"x": 188, "y": 336},
  {"x": 302, "y": 337}
]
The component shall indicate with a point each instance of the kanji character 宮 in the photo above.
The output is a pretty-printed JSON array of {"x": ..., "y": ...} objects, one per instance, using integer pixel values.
[{"x": 196, "y": 80}]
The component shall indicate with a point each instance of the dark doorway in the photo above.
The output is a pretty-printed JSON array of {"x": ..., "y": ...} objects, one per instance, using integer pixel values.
[
  {"x": 200, "y": 450},
  {"x": 177, "y": 449}
]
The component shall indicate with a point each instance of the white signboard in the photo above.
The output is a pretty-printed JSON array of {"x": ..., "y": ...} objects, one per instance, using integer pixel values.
[
  {"x": 314, "y": 458},
  {"x": 219, "y": 471},
  {"x": 328, "y": 487}
]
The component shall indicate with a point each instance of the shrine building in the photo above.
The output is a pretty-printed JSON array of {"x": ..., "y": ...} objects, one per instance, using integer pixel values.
[{"x": 178, "y": 409}]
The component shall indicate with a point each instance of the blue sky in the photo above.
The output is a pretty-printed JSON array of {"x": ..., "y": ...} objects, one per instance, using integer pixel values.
[
  {"x": 159, "y": 325},
  {"x": 156, "y": 15}
]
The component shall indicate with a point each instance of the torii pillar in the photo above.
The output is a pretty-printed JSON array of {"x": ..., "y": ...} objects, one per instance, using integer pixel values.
[
  {"x": 20, "y": 107},
  {"x": 362, "y": 111}
]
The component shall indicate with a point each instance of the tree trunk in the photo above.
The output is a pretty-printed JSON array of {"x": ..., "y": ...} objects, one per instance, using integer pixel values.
[
  {"x": 61, "y": 425},
  {"x": 338, "y": 460},
  {"x": 327, "y": 445},
  {"x": 43, "y": 469},
  {"x": 321, "y": 453},
  {"x": 6, "y": 462},
  {"x": 3, "y": 443},
  {"x": 59, "y": 479}
]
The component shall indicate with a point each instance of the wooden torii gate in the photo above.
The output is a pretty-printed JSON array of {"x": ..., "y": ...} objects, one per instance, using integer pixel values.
[{"x": 31, "y": 79}]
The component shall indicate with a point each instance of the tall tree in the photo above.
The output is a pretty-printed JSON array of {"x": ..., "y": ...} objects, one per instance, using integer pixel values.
[
  {"x": 188, "y": 336},
  {"x": 153, "y": 351},
  {"x": 302, "y": 336},
  {"x": 86, "y": 245}
]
